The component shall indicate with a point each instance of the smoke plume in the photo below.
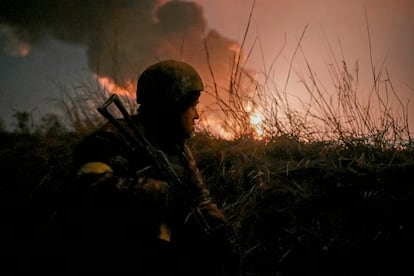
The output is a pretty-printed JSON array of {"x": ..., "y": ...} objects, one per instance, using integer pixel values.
[{"x": 122, "y": 37}]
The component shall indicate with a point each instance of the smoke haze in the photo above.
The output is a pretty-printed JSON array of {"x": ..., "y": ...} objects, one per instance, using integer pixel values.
[
  {"x": 121, "y": 37},
  {"x": 118, "y": 38}
]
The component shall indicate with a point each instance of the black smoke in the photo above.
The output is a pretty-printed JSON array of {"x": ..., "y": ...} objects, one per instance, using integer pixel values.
[{"x": 122, "y": 37}]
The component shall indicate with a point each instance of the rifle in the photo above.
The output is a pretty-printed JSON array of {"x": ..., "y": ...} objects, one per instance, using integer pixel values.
[{"x": 158, "y": 159}]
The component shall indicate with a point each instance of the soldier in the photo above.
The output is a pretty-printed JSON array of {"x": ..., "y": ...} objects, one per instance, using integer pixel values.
[{"x": 124, "y": 213}]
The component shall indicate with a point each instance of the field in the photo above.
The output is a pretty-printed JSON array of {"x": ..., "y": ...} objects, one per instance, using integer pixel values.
[
  {"x": 315, "y": 207},
  {"x": 321, "y": 187}
]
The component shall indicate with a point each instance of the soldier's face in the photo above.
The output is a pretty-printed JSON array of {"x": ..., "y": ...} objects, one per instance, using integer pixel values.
[{"x": 188, "y": 120}]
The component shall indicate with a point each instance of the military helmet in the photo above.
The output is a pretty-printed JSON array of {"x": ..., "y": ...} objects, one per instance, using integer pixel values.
[{"x": 170, "y": 84}]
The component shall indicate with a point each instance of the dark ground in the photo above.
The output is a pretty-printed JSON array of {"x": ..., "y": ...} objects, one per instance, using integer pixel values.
[{"x": 345, "y": 219}]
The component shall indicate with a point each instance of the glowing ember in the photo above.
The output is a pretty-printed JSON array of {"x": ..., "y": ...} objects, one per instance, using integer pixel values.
[{"x": 23, "y": 49}]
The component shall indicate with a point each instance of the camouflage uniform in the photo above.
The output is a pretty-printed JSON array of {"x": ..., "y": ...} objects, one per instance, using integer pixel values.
[{"x": 125, "y": 221}]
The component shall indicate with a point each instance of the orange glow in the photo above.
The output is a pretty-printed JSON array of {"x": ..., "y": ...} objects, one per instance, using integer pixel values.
[
  {"x": 109, "y": 85},
  {"x": 256, "y": 121},
  {"x": 214, "y": 127},
  {"x": 23, "y": 49},
  {"x": 220, "y": 127}
]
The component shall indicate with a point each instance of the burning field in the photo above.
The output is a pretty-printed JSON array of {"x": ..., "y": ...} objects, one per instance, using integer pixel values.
[{"x": 298, "y": 207}]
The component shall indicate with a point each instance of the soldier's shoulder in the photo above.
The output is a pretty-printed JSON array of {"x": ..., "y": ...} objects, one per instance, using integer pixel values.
[{"x": 103, "y": 138}]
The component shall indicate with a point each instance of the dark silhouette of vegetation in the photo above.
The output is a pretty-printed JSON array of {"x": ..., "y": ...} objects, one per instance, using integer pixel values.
[
  {"x": 299, "y": 207},
  {"x": 325, "y": 189}
]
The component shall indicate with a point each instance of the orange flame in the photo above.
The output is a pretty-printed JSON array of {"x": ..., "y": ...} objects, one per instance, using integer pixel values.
[
  {"x": 208, "y": 123},
  {"x": 109, "y": 85},
  {"x": 256, "y": 121}
]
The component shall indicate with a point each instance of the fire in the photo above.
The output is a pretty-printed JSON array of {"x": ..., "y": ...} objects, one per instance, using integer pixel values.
[
  {"x": 256, "y": 121},
  {"x": 109, "y": 85},
  {"x": 217, "y": 126},
  {"x": 209, "y": 122}
]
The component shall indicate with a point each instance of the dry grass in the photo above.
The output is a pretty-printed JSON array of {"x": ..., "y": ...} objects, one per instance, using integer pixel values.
[
  {"x": 320, "y": 187},
  {"x": 337, "y": 111}
]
